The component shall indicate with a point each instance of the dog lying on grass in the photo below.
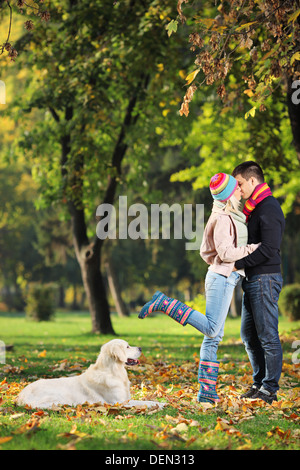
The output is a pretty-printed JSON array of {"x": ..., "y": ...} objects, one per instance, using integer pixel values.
[{"x": 106, "y": 381}]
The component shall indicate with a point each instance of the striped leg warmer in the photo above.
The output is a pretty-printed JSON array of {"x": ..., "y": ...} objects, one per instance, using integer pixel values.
[
  {"x": 207, "y": 377},
  {"x": 171, "y": 307}
]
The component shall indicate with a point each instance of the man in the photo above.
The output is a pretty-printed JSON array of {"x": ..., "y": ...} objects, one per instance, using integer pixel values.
[{"x": 263, "y": 282}]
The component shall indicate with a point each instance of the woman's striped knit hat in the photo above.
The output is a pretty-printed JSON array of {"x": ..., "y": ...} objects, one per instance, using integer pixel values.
[{"x": 222, "y": 186}]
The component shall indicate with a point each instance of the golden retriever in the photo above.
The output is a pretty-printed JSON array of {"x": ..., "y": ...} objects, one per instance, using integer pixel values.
[{"x": 106, "y": 381}]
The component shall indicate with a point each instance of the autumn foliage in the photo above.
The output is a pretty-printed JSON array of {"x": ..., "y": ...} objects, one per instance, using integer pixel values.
[
  {"x": 255, "y": 41},
  {"x": 182, "y": 424}
]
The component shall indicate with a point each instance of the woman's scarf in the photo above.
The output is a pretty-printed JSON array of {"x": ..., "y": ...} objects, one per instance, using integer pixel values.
[{"x": 259, "y": 194}]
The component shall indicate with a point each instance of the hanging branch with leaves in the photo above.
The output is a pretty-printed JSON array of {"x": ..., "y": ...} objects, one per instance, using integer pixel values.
[
  {"x": 261, "y": 35},
  {"x": 32, "y": 7}
]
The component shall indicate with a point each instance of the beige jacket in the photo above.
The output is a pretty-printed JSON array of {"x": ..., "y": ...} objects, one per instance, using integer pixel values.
[{"x": 219, "y": 244}]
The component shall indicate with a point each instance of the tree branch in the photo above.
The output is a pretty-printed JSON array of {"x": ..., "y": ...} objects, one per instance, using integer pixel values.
[
  {"x": 121, "y": 146},
  {"x": 9, "y": 28},
  {"x": 77, "y": 213},
  {"x": 54, "y": 114}
]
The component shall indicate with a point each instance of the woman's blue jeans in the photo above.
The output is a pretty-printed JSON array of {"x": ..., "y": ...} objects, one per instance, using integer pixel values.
[
  {"x": 259, "y": 328},
  {"x": 218, "y": 292}
]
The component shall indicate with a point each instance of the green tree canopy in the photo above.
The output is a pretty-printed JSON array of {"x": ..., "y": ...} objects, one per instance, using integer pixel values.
[
  {"x": 247, "y": 58},
  {"x": 99, "y": 72}
]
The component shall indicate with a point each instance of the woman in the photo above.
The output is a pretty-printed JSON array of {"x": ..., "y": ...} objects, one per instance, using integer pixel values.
[{"x": 224, "y": 241}]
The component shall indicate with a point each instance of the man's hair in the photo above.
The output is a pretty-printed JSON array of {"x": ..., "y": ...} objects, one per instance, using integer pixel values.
[{"x": 249, "y": 169}]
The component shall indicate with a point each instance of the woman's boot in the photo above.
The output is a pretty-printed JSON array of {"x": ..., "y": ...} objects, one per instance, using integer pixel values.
[
  {"x": 171, "y": 307},
  {"x": 207, "y": 377}
]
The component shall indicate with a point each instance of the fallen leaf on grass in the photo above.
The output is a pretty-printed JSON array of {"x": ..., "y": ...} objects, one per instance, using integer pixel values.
[
  {"x": 177, "y": 386},
  {"x": 61, "y": 367},
  {"x": 74, "y": 437},
  {"x": 292, "y": 417},
  {"x": 16, "y": 415},
  {"x": 160, "y": 445},
  {"x": 285, "y": 404},
  {"x": 168, "y": 433},
  {"x": 246, "y": 446},
  {"x": 5, "y": 439},
  {"x": 69, "y": 446},
  {"x": 40, "y": 413},
  {"x": 8, "y": 369},
  {"x": 74, "y": 433},
  {"x": 31, "y": 426},
  {"x": 279, "y": 432},
  {"x": 43, "y": 353},
  {"x": 132, "y": 435},
  {"x": 224, "y": 425},
  {"x": 181, "y": 427},
  {"x": 179, "y": 419}
]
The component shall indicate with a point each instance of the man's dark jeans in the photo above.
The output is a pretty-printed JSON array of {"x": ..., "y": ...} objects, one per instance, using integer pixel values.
[{"x": 259, "y": 328}]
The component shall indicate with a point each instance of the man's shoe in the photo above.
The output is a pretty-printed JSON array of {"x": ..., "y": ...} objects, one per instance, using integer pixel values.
[
  {"x": 249, "y": 394},
  {"x": 265, "y": 395}
]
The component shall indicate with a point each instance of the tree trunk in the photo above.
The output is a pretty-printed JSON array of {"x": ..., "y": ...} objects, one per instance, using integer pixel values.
[
  {"x": 90, "y": 261},
  {"x": 89, "y": 254},
  {"x": 89, "y": 258},
  {"x": 291, "y": 260},
  {"x": 115, "y": 290},
  {"x": 233, "y": 312},
  {"x": 236, "y": 302},
  {"x": 61, "y": 296}
]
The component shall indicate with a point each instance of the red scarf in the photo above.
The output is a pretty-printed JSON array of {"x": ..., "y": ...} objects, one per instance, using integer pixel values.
[{"x": 260, "y": 192}]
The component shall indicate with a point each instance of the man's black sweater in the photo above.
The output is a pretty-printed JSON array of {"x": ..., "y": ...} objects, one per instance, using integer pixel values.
[{"x": 266, "y": 225}]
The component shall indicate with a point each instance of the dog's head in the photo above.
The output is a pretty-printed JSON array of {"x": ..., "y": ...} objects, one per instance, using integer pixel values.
[{"x": 119, "y": 350}]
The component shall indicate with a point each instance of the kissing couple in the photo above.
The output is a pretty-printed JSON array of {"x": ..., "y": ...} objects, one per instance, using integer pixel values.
[{"x": 238, "y": 244}]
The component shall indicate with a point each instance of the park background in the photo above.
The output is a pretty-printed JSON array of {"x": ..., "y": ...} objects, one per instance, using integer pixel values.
[{"x": 93, "y": 93}]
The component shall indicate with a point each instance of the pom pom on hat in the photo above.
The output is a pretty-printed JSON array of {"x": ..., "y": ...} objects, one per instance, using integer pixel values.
[{"x": 222, "y": 186}]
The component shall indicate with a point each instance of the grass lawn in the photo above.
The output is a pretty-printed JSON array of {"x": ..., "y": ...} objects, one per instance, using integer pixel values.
[{"x": 168, "y": 372}]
